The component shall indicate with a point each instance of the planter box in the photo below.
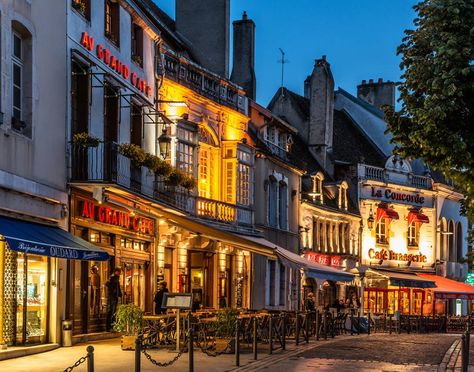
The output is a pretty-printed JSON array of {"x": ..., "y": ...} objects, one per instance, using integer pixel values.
[{"x": 128, "y": 342}]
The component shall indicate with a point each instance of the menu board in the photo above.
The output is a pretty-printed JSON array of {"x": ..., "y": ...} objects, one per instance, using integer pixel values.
[{"x": 177, "y": 300}]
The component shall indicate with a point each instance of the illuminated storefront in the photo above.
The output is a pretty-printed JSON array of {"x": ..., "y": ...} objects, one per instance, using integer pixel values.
[{"x": 128, "y": 236}]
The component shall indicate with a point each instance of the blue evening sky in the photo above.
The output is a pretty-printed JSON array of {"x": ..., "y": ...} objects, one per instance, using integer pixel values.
[{"x": 359, "y": 38}]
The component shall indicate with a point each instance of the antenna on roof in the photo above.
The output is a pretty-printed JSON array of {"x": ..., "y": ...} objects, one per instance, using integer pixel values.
[{"x": 282, "y": 61}]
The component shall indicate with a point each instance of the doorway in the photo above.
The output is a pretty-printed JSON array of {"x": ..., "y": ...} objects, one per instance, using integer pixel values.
[{"x": 201, "y": 278}]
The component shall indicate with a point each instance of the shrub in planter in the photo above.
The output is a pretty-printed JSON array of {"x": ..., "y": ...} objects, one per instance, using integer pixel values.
[
  {"x": 164, "y": 169},
  {"x": 188, "y": 183},
  {"x": 175, "y": 178},
  {"x": 152, "y": 162},
  {"x": 85, "y": 140},
  {"x": 129, "y": 321},
  {"x": 134, "y": 152},
  {"x": 225, "y": 328}
]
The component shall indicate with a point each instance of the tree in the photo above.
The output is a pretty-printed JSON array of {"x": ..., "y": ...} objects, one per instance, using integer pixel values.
[{"x": 436, "y": 120}]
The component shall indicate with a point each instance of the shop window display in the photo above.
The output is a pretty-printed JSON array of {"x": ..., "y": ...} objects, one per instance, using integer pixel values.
[{"x": 32, "y": 297}]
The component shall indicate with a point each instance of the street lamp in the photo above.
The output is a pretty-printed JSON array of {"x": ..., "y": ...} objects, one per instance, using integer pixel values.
[
  {"x": 164, "y": 141},
  {"x": 370, "y": 220}
]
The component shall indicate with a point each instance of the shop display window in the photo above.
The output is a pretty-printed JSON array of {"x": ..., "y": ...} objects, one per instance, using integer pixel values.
[
  {"x": 133, "y": 279},
  {"x": 32, "y": 299}
]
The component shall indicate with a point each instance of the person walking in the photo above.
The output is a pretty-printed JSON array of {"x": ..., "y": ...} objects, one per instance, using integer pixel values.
[
  {"x": 113, "y": 294},
  {"x": 310, "y": 304},
  {"x": 158, "y": 300}
]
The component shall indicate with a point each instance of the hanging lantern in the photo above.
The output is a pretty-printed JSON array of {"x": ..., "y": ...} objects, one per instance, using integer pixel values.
[
  {"x": 370, "y": 220},
  {"x": 164, "y": 141}
]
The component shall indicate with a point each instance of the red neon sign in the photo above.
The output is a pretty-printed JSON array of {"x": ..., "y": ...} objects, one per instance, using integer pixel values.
[
  {"x": 323, "y": 259},
  {"x": 110, "y": 216},
  {"x": 115, "y": 64}
]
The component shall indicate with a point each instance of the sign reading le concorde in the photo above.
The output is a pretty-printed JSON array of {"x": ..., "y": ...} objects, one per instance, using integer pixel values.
[{"x": 390, "y": 195}]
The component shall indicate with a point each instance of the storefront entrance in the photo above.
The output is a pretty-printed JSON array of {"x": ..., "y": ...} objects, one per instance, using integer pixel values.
[
  {"x": 134, "y": 283},
  {"x": 380, "y": 301},
  {"x": 201, "y": 278},
  {"x": 32, "y": 277},
  {"x": 90, "y": 296}
]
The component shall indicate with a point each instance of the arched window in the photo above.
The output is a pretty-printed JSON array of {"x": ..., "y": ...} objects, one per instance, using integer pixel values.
[
  {"x": 317, "y": 192},
  {"x": 272, "y": 202},
  {"x": 459, "y": 242},
  {"x": 342, "y": 203},
  {"x": 451, "y": 247},
  {"x": 21, "y": 57},
  {"x": 442, "y": 240}
]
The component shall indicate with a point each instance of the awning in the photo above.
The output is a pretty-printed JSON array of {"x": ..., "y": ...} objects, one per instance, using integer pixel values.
[
  {"x": 194, "y": 225},
  {"x": 311, "y": 269},
  {"x": 386, "y": 212},
  {"x": 400, "y": 279},
  {"x": 416, "y": 216},
  {"x": 450, "y": 289},
  {"x": 35, "y": 238}
]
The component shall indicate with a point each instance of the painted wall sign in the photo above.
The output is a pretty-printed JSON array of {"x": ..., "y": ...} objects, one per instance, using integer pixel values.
[
  {"x": 396, "y": 196},
  {"x": 110, "y": 216},
  {"x": 388, "y": 255},
  {"x": 115, "y": 64},
  {"x": 323, "y": 259}
]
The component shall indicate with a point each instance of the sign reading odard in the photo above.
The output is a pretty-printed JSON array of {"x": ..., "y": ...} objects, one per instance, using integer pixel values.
[
  {"x": 390, "y": 195},
  {"x": 388, "y": 255},
  {"x": 115, "y": 64},
  {"x": 110, "y": 216}
]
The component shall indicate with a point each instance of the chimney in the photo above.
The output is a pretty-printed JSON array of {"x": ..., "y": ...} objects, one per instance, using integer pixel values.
[
  {"x": 243, "y": 72},
  {"x": 205, "y": 25},
  {"x": 377, "y": 94},
  {"x": 320, "y": 134}
]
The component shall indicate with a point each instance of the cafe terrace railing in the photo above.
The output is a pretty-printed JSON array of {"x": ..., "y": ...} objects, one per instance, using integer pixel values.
[{"x": 104, "y": 164}]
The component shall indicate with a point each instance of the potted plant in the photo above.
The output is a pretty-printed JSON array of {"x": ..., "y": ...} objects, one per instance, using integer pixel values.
[
  {"x": 79, "y": 5},
  {"x": 134, "y": 152},
  {"x": 129, "y": 322},
  {"x": 224, "y": 326},
  {"x": 137, "y": 59},
  {"x": 164, "y": 169},
  {"x": 188, "y": 183},
  {"x": 83, "y": 139},
  {"x": 175, "y": 178},
  {"x": 152, "y": 162}
]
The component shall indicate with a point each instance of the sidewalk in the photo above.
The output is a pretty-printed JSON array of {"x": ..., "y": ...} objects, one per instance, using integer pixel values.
[{"x": 109, "y": 357}]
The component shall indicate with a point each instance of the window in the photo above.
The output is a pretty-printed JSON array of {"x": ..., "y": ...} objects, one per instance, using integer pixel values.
[
  {"x": 272, "y": 202},
  {"x": 271, "y": 277},
  {"x": 185, "y": 150},
  {"x": 413, "y": 234},
  {"x": 21, "y": 80},
  {"x": 317, "y": 187},
  {"x": 459, "y": 242},
  {"x": 244, "y": 178},
  {"x": 382, "y": 231},
  {"x": 283, "y": 205},
  {"x": 137, "y": 44},
  {"x": 79, "y": 97},
  {"x": 442, "y": 240},
  {"x": 451, "y": 247},
  {"x": 112, "y": 21},
  {"x": 83, "y": 7},
  {"x": 343, "y": 196},
  {"x": 282, "y": 285}
]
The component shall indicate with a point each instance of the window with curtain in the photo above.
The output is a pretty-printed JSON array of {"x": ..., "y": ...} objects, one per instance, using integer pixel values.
[
  {"x": 382, "y": 231},
  {"x": 413, "y": 234}
]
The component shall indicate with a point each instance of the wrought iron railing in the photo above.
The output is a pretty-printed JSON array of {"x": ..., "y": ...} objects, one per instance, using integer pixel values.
[{"x": 104, "y": 164}]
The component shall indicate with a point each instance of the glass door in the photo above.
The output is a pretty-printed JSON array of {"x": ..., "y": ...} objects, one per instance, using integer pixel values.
[{"x": 32, "y": 299}]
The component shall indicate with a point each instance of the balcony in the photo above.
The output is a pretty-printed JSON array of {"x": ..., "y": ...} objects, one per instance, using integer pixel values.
[
  {"x": 368, "y": 172},
  {"x": 104, "y": 165},
  {"x": 204, "y": 82}
]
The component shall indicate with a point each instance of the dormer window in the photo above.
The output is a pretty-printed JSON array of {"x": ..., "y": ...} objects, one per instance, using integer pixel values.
[
  {"x": 317, "y": 191},
  {"x": 342, "y": 202}
]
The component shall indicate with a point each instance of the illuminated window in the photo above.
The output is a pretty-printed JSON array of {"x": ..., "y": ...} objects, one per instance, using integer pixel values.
[
  {"x": 244, "y": 178},
  {"x": 203, "y": 172},
  {"x": 185, "y": 150},
  {"x": 112, "y": 21},
  {"x": 382, "y": 231},
  {"x": 343, "y": 196},
  {"x": 413, "y": 234},
  {"x": 317, "y": 187}
]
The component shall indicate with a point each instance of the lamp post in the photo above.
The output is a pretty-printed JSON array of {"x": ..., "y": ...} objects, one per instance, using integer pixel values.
[{"x": 370, "y": 220}]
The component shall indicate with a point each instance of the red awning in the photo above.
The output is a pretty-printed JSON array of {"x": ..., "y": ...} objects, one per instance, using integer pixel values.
[
  {"x": 450, "y": 289},
  {"x": 385, "y": 212},
  {"x": 415, "y": 216}
]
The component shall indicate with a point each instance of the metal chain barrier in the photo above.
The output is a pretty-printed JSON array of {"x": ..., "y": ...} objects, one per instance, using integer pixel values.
[
  {"x": 89, "y": 358},
  {"x": 143, "y": 349},
  {"x": 212, "y": 350}
]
